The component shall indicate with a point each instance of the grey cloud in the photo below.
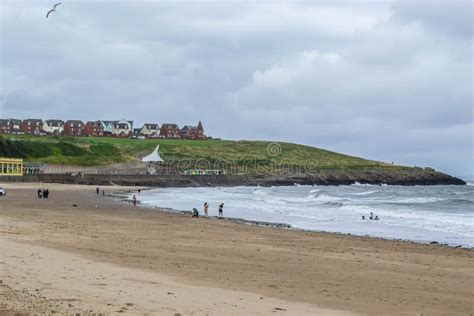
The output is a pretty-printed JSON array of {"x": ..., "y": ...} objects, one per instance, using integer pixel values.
[
  {"x": 390, "y": 81},
  {"x": 451, "y": 17}
]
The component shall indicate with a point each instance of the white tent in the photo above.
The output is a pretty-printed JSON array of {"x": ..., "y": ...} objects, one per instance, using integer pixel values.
[{"x": 154, "y": 156}]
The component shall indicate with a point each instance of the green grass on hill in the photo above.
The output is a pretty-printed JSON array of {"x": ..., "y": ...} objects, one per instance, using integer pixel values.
[{"x": 242, "y": 156}]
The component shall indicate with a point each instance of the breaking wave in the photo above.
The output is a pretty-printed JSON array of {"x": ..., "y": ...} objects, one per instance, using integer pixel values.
[{"x": 441, "y": 213}]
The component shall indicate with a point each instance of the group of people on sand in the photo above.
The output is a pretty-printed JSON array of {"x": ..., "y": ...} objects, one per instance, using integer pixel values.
[
  {"x": 206, "y": 211},
  {"x": 97, "y": 191},
  {"x": 195, "y": 212},
  {"x": 372, "y": 217},
  {"x": 43, "y": 193}
]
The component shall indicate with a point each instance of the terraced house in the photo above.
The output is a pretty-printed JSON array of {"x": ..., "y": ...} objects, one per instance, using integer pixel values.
[
  {"x": 150, "y": 130},
  {"x": 193, "y": 132},
  {"x": 32, "y": 126},
  {"x": 169, "y": 131},
  {"x": 53, "y": 127},
  {"x": 74, "y": 128},
  {"x": 108, "y": 125},
  {"x": 10, "y": 126},
  {"x": 94, "y": 128},
  {"x": 122, "y": 128}
]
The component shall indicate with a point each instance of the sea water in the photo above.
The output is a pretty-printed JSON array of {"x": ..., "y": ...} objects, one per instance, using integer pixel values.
[{"x": 444, "y": 214}]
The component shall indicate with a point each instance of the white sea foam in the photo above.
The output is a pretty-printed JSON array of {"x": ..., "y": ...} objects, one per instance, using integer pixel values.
[
  {"x": 441, "y": 213},
  {"x": 364, "y": 193}
]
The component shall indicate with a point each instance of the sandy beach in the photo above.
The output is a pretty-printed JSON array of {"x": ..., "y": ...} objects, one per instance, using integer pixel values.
[{"x": 104, "y": 256}]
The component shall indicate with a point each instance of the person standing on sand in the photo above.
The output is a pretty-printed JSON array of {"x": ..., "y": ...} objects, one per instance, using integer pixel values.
[
  {"x": 134, "y": 200},
  {"x": 103, "y": 192},
  {"x": 97, "y": 190},
  {"x": 206, "y": 208},
  {"x": 221, "y": 208},
  {"x": 40, "y": 194}
]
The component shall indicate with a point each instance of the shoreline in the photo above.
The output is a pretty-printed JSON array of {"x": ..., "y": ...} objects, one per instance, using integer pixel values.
[
  {"x": 123, "y": 197},
  {"x": 106, "y": 256},
  {"x": 405, "y": 177}
]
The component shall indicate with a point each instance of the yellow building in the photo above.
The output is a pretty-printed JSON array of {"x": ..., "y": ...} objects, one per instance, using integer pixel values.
[{"x": 11, "y": 167}]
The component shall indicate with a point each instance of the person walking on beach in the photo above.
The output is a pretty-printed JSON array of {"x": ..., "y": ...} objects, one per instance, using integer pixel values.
[
  {"x": 97, "y": 190},
  {"x": 134, "y": 200},
  {"x": 206, "y": 208},
  {"x": 40, "y": 194},
  {"x": 103, "y": 192},
  {"x": 221, "y": 208}
]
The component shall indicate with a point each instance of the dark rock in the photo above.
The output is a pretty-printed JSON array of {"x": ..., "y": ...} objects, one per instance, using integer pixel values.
[{"x": 408, "y": 176}]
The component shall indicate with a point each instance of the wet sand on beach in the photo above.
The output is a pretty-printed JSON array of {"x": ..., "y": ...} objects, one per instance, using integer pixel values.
[{"x": 104, "y": 256}]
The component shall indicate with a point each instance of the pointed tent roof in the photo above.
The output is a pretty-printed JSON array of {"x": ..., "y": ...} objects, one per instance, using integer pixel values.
[{"x": 154, "y": 156}]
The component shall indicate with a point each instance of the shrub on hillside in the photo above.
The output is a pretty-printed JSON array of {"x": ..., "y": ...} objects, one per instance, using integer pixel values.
[
  {"x": 23, "y": 149},
  {"x": 68, "y": 149}
]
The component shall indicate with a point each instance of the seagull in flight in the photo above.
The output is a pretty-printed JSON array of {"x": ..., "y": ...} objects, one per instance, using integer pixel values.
[{"x": 53, "y": 9}]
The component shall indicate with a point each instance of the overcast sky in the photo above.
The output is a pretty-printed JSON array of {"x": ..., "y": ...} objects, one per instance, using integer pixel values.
[{"x": 391, "y": 81}]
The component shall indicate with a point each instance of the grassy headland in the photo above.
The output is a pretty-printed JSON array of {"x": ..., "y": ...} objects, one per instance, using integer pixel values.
[{"x": 248, "y": 156}]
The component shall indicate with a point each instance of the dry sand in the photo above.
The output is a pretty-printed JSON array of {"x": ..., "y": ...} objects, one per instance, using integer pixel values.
[{"x": 109, "y": 257}]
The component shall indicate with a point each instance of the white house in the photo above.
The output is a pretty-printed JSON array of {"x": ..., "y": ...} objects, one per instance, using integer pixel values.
[
  {"x": 108, "y": 125},
  {"x": 150, "y": 130},
  {"x": 122, "y": 128},
  {"x": 53, "y": 127}
]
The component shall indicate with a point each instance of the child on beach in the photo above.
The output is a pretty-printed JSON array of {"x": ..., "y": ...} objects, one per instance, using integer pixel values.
[
  {"x": 134, "y": 200},
  {"x": 206, "y": 208}
]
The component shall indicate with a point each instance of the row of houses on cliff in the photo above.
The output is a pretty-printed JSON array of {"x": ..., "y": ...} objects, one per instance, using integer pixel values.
[{"x": 120, "y": 128}]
